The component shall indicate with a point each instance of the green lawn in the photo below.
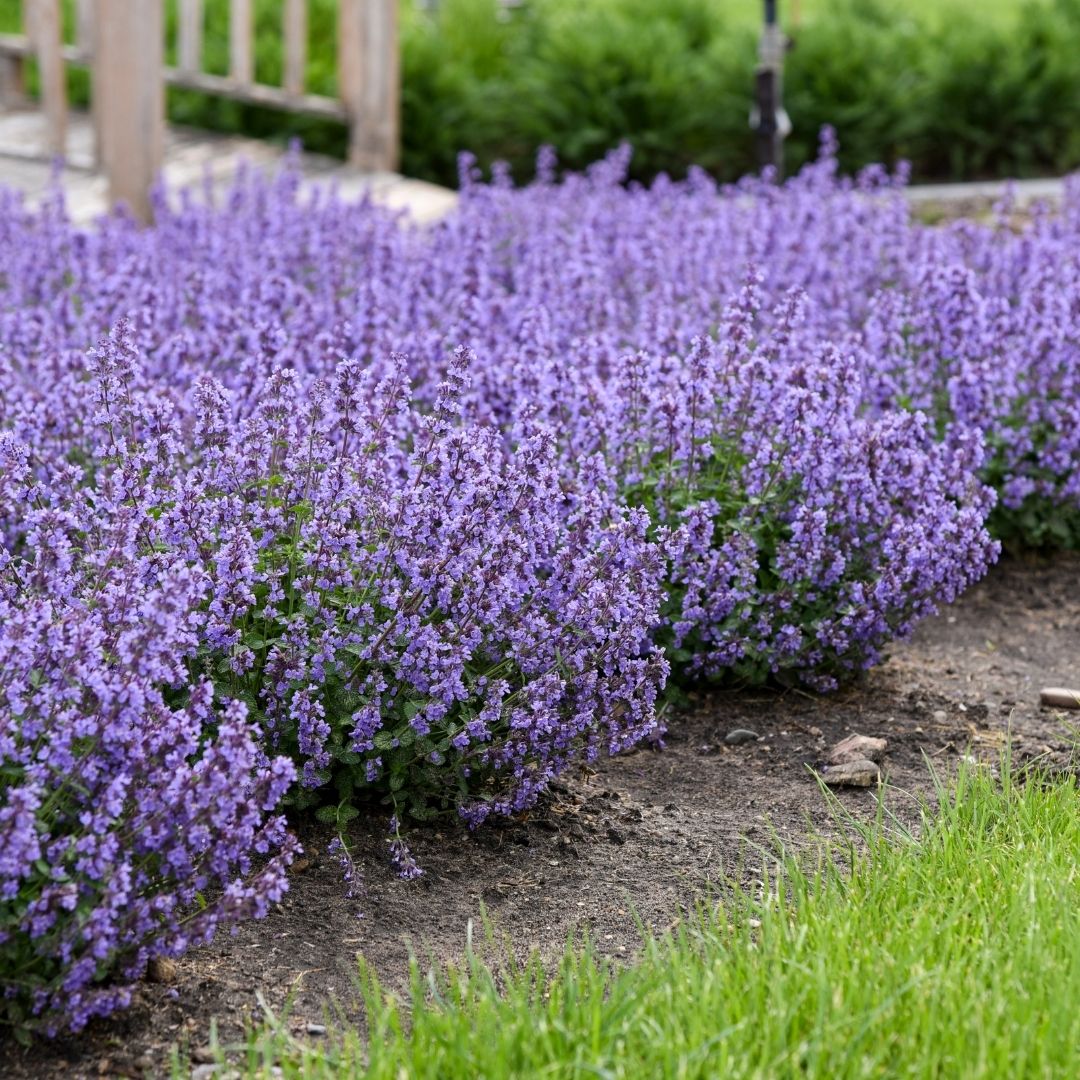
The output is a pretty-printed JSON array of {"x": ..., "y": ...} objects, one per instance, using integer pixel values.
[{"x": 954, "y": 953}]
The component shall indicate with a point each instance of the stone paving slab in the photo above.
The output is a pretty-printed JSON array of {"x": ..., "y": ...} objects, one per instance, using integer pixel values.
[
  {"x": 987, "y": 192},
  {"x": 195, "y": 161}
]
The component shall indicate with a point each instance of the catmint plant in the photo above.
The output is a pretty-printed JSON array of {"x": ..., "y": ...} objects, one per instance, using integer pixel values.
[{"x": 137, "y": 808}]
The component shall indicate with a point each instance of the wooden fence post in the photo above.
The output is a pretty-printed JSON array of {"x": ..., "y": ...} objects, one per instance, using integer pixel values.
[
  {"x": 369, "y": 81},
  {"x": 84, "y": 25},
  {"x": 129, "y": 89},
  {"x": 241, "y": 43},
  {"x": 12, "y": 86},
  {"x": 191, "y": 36},
  {"x": 85, "y": 38},
  {"x": 295, "y": 25},
  {"x": 46, "y": 33}
]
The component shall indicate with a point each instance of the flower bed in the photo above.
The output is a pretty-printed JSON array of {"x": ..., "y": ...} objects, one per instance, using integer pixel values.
[{"x": 350, "y": 512}]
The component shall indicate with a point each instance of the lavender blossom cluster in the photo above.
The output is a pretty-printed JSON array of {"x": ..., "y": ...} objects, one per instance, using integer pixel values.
[
  {"x": 335, "y": 598},
  {"x": 302, "y": 505},
  {"x": 137, "y": 811},
  {"x": 976, "y": 324},
  {"x": 800, "y": 535}
]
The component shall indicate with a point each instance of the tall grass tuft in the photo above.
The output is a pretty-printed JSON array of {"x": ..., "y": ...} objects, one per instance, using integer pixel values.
[{"x": 947, "y": 949}]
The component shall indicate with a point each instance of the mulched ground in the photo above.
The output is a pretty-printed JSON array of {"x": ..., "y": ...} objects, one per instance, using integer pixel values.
[{"x": 643, "y": 833}]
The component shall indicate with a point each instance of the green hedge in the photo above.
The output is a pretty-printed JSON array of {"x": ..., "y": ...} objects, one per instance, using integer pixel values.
[{"x": 959, "y": 96}]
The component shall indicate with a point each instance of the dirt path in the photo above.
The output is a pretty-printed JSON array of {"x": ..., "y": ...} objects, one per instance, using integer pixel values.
[{"x": 644, "y": 832}]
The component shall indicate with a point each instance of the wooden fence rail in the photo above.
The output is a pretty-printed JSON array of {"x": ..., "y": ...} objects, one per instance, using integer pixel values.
[{"x": 123, "y": 44}]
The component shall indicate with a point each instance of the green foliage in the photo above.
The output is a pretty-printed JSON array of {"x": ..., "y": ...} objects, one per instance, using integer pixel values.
[
  {"x": 860, "y": 69},
  {"x": 421, "y": 775},
  {"x": 1004, "y": 102},
  {"x": 455, "y": 64},
  {"x": 1040, "y": 521},
  {"x": 671, "y": 76},
  {"x": 1036, "y": 523},
  {"x": 951, "y": 949}
]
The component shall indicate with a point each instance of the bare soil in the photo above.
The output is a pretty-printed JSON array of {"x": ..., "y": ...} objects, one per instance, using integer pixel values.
[{"x": 643, "y": 833}]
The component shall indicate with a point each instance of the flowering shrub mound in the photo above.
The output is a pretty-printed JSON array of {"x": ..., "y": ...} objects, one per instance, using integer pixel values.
[
  {"x": 977, "y": 325},
  {"x": 403, "y": 601},
  {"x": 998, "y": 352},
  {"x": 801, "y": 536},
  {"x": 138, "y": 808},
  {"x": 450, "y": 632},
  {"x": 408, "y": 609}
]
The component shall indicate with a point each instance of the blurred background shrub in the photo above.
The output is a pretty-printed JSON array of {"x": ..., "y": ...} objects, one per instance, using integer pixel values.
[{"x": 962, "y": 92}]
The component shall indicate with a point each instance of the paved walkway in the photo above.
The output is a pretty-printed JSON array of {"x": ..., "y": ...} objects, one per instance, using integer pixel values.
[
  {"x": 190, "y": 157},
  {"x": 984, "y": 193}
]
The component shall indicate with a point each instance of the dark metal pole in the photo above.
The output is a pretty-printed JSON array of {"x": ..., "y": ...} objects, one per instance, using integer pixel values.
[{"x": 769, "y": 121}]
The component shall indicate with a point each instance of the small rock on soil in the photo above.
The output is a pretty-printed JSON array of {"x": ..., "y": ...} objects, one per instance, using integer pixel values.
[
  {"x": 1058, "y": 697},
  {"x": 858, "y": 748},
  {"x": 162, "y": 969},
  {"x": 852, "y": 774},
  {"x": 740, "y": 736}
]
